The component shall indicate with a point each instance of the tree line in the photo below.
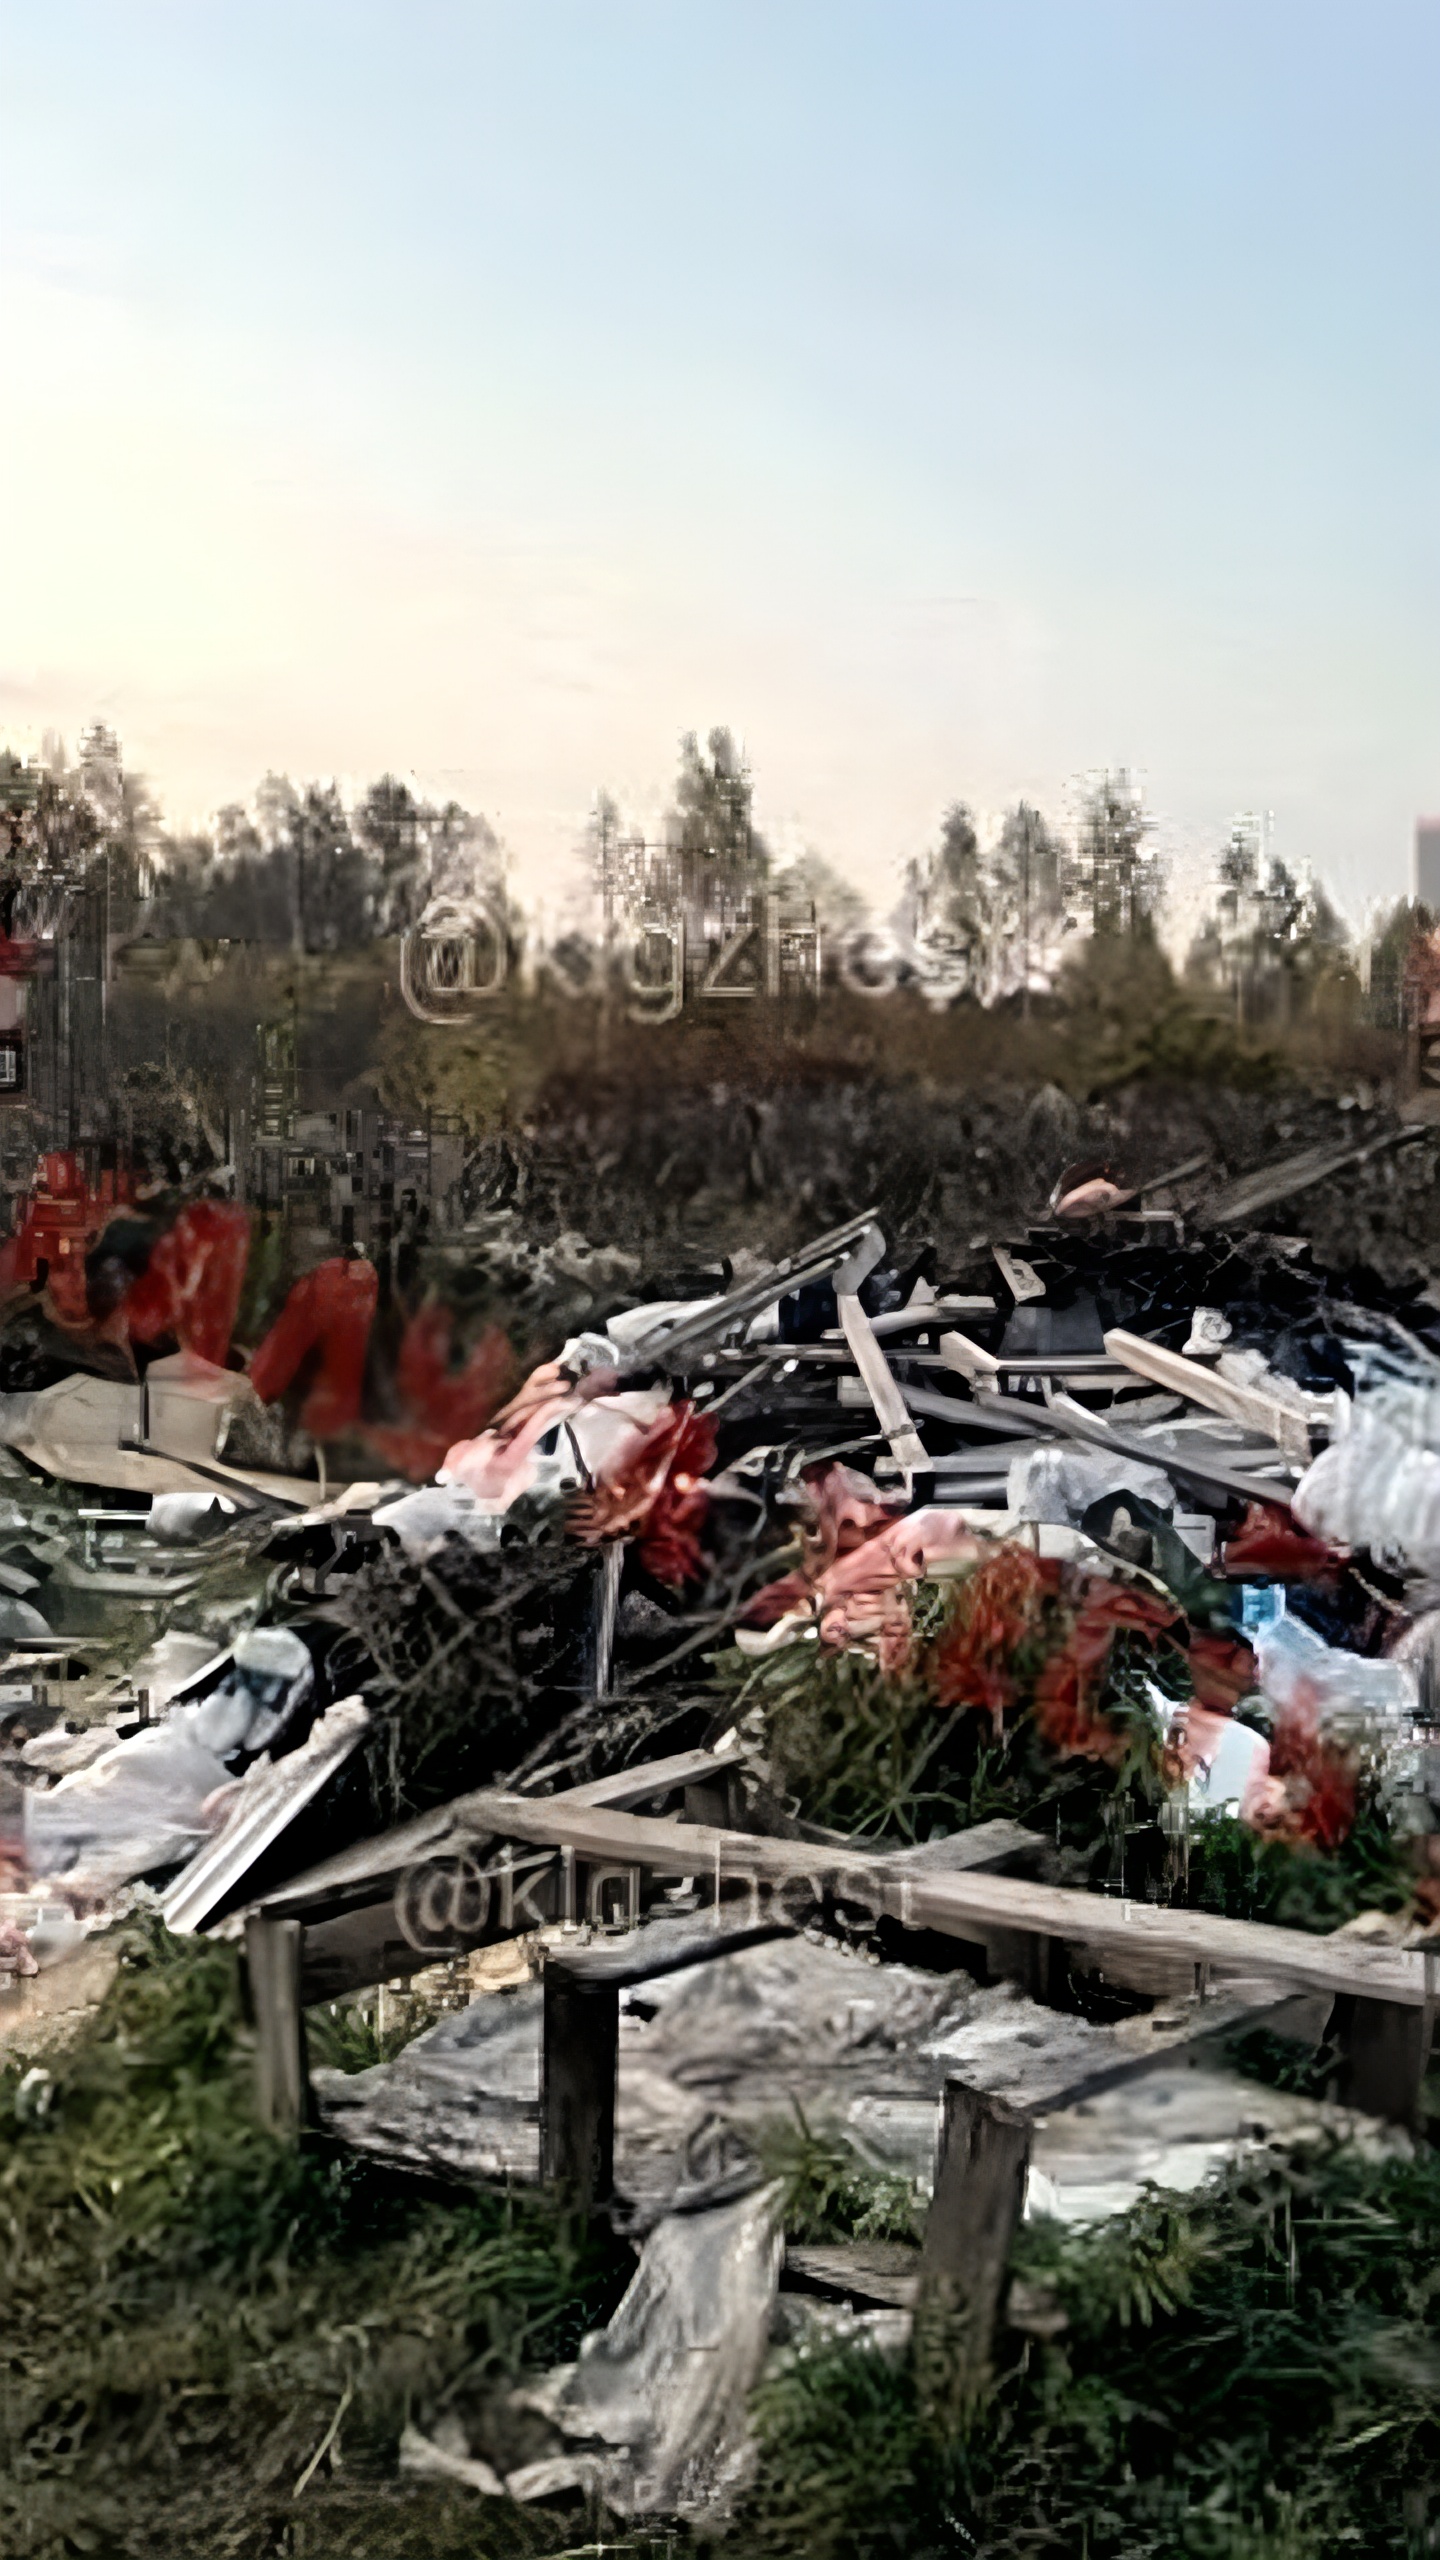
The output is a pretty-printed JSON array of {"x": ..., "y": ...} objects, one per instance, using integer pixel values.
[{"x": 992, "y": 922}]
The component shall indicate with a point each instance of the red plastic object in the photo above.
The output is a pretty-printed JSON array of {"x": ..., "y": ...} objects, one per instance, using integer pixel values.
[
  {"x": 438, "y": 1406},
  {"x": 1267, "y": 1543},
  {"x": 328, "y": 1314},
  {"x": 62, "y": 1219},
  {"x": 191, "y": 1285},
  {"x": 659, "y": 1497}
]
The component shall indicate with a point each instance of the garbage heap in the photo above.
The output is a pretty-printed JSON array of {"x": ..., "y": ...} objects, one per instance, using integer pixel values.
[{"x": 934, "y": 1709}]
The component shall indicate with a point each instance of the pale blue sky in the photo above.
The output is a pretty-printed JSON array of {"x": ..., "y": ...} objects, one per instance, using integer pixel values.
[{"x": 954, "y": 399}]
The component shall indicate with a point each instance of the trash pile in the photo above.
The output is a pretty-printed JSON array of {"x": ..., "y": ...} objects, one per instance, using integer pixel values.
[{"x": 927, "y": 1711}]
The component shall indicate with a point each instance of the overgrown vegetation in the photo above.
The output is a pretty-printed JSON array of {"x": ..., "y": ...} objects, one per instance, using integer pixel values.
[
  {"x": 897, "y": 1754},
  {"x": 1234, "y": 1871},
  {"x": 1253, "y": 2372},
  {"x": 830, "y": 2192},
  {"x": 466, "y": 1659},
  {"x": 213, "y": 2341},
  {"x": 192, "y": 2310}
]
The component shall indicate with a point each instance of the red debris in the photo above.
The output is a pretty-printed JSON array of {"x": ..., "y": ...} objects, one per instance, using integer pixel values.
[
  {"x": 658, "y": 1496},
  {"x": 62, "y": 1219},
  {"x": 1067, "y": 1694},
  {"x": 440, "y": 1406},
  {"x": 1268, "y": 1544},
  {"x": 327, "y": 1316},
  {"x": 1223, "y": 1670},
  {"x": 191, "y": 1285},
  {"x": 999, "y": 1609}
]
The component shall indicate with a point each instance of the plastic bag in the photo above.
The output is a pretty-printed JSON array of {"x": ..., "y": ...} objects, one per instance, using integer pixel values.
[
  {"x": 1375, "y": 1487},
  {"x": 270, "y": 1680},
  {"x": 1060, "y": 1485},
  {"x": 145, "y": 1805}
]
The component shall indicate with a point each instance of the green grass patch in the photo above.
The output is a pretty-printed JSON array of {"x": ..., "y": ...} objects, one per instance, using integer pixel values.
[
  {"x": 192, "y": 2309},
  {"x": 1251, "y": 2374}
]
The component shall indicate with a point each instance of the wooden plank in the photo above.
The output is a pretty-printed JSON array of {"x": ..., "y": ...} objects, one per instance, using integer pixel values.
[
  {"x": 951, "y": 1903},
  {"x": 970, "y": 1359},
  {"x": 1287, "y": 1428},
  {"x": 669, "y": 1945},
  {"x": 1385, "y": 2052},
  {"x": 359, "y": 1948},
  {"x": 913, "y": 1319},
  {"x": 1212, "y": 1475},
  {"x": 891, "y": 1410},
  {"x": 579, "y": 2059},
  {"x": 795, "y": 1271},
  {"x": 273, "y": 1951},
  {"x": 626, "y": 1787},
  {"x": 980, "y": 2174},
  {"x": 880, "y": 2271},
  {"x": 581, "y": 2042}
]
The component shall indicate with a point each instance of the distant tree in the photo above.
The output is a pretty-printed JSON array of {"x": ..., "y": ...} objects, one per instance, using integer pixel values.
[
  {"x": 390, "y": 828},
  {"x": 127, "y": 815},
  {"x": 463, "y": 857},
  {"x": 325, "y": 866},
  {"x": 946, "y": 909},
  {"x": 1119, "y": 877},
  {"x": 1028, "y": 877},
  {"x": 53, "y": 835},
  {"x": 19, "y": 784},
  {"x": 712, "y": 828},
  {"x": 1394, "y": 934},
  {"x": 1271, "y": 938},
  {"x": 810, "y": 882}
]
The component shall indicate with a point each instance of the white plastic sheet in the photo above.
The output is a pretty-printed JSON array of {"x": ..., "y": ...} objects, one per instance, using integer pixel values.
[{"x": 660, "y": 2397}]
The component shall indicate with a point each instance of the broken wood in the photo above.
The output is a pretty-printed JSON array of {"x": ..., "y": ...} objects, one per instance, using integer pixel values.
[
  {"x": 980, "y": 2173},
  {"x": 273, "y": 1953},
  {"x": 579, "y": 2056},
  {"x": 891, "y": 1411},
  {"x": 960, "y": 1905},
  {"x": 1250, "y": 1405}
]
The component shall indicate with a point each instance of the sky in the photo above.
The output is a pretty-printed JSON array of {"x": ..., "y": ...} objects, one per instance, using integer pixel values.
[{"x": 955, "y": 400}]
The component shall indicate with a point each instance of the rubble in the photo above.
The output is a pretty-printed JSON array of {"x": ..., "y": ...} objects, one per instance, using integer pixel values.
[{"x": 942, "y": 1704}]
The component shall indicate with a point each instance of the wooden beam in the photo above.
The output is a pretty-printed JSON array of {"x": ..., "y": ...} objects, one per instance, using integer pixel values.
[
  {"x": 273, "y": 1950},
  {"x": 579, "y": 2057},
  {"x": 959, "y": 1905},
  {"x": 1385, "y": 2052},
  {"x": 1250, "y": 1405},
  {"x": 581, "y": 2042},
  {"x": 980, "y": 2174}
]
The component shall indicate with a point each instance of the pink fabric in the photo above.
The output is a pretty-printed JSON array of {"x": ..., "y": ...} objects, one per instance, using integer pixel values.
[
  {"x": 499, "y": 1464},
  {"x": 859, "y": 1598}
]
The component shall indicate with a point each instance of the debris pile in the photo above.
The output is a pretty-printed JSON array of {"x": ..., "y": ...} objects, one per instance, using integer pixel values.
[{"x": 941, "y": 1715}]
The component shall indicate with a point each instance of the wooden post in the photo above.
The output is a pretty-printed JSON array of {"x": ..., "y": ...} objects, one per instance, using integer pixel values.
[
  {"x": 1385, "y": 2048},
  {"x": 579, "y": 2056},
  {"x": 979, "y": 2196},
  {"x": 272, "y": 1958},
  {"x": 606, "y": 1610}
]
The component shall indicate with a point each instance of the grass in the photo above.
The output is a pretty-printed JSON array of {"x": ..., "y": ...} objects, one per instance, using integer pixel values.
[
  {"x": 212, "y": 2341},
  {"x": 831, "y": 2193},
  {"x": 1253, "y": 2374},
  {"x": 193, "y": 2310}
]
